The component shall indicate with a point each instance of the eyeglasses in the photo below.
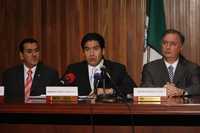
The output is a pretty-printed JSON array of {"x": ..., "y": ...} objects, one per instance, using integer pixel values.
[
  {"x": 171, "y": 43},
  {"x": 30, "y": 51},
  {"x": 86, "y": 49}
]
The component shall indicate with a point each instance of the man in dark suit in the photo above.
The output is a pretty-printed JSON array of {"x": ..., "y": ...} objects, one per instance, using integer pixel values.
[
  {"x": 29, "y": 78},
  {"x": 173, "y": 71},
  {"x": 116, "y": 77}
]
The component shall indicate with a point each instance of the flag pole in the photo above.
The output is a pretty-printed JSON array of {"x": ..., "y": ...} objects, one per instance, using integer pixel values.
[{"x": 148, "y": 54}]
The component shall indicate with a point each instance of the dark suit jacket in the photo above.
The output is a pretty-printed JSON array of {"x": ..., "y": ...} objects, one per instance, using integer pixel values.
[
  {"x": 117, "y": 71},
  {"x": 187, "y": 75},
  {"x": 13, "y": 80}
]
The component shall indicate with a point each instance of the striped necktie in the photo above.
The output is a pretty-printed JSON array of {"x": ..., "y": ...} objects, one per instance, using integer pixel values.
[
  {"x": 28, "y": 84},
  {"x": 171, "y": 73}
]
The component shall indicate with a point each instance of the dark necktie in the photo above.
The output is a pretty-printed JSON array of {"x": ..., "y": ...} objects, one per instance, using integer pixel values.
[{"x": 171, "y": 73}]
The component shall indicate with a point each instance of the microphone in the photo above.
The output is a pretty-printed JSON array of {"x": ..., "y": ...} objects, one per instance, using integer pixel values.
[
  {"x": 105, "y": 71},
  {"x": 97, "y": 78},
  {"x": 67, "y": 79},
  {"x": 116, "y": 91},
  {"x": 106, "y": 75}
]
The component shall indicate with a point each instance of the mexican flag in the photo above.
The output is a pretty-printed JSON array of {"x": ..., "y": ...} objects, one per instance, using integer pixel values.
[{"x": 155, "y": 27}]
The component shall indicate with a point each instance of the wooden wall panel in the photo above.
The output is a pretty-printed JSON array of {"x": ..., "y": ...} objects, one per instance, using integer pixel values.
[
  {"x": 59, "y": 26},
  {"x": 184, "y": 15}
]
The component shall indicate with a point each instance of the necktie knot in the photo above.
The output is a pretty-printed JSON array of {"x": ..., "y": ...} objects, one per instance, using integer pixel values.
[
  {"x": 171, "y": 73},
  {"x": 29, "y": 72},
  {"x": 171, "y": 68}
]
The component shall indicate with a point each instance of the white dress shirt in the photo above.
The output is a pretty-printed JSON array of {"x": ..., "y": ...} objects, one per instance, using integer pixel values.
[
  {"x": 173, "y": 64},
  {"x": 92, "y": 70},
  {"x": 26, "y": 74}
]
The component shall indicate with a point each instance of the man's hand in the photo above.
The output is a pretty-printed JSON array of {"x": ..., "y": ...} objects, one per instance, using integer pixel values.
[
  {"x": 101, "y": 91},
  {"x": 172, "y": 90}
]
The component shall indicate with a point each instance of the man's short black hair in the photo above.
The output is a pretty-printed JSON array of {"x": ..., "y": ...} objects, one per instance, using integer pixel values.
[
  {"x": 173, "y": 31},
  {"x": 93, "y": 36},
  {"x": 26, "y": 40}
]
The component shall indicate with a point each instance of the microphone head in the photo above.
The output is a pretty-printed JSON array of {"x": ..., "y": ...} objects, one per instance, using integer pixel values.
[
  {"x": 70, "y": 78},
  {"x": 103, "y": 68},
  {"x": 105, "y": 71},
  {"x": 97, "y": 76}
]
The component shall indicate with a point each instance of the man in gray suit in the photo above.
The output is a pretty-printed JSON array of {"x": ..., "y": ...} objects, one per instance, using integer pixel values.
[{"x": 178, "y": 75}]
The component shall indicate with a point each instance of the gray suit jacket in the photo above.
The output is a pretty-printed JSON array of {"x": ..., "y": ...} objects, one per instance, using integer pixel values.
[{"x": 187, "y": 75}]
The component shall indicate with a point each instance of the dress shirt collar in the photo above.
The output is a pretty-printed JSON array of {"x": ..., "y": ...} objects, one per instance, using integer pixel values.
[
  {"x": 33, "y": 69},
  {"x": 92, "y": 70},
  {"x": 173, "y": 64},
  {"x": 97, "y": 67}
]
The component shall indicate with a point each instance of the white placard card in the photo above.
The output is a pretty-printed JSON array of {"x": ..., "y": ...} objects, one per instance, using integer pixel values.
[
  {"x": 61, "y": 91},
  {"x": 1, "y": 90},
  {"x": 149, "y": 92}
]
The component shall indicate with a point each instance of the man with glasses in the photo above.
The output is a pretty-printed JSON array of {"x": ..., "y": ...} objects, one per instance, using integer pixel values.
[
  {"x": 29, "y": 78},
  {"x": 178, "y": 75}
]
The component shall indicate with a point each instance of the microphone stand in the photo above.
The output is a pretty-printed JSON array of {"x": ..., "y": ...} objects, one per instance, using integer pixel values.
[
  {"x": 105, "y": 97},
  {"x": 118, "y": 94}
]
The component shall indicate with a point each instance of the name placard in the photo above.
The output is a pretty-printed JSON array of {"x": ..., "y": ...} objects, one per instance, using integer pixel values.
[
  {"x": 1, "y": 94},
  {"x": 150, "y": 94},
  {"x": 62, "y": 94},
  {"x": 1, "y": 90},
  {"x": 61, "y": 91}
]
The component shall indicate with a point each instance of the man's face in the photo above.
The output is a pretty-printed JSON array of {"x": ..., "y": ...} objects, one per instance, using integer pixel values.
[
  {"x": 171, "y": 47},
  {"x": 93, "y": 52},
  {"x": 30, "y": 55}
]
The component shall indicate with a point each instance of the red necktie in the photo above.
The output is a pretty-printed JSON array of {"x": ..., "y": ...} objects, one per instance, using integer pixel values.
[{"x": 28, "y": 84}]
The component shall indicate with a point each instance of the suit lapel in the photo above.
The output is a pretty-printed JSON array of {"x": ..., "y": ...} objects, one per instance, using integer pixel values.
[
  {"x": 179, "y": 71},
  {"x": 20, "y": 79},
  {"x": 86, "y": 73},
  {"x": 36, "y": 79},
  {"x": 108, "y": 67},
  {"x": 85, "y": 76},
  {"x": 164, "y": 72}
]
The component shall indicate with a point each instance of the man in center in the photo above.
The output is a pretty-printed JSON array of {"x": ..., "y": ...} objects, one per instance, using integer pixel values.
[{"x": 116, "y": 77}]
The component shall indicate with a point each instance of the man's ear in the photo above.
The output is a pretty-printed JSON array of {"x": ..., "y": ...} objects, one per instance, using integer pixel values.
[
  {"x": 21, "y": 56},
  {"x": 181, "y": 47},
  {"x": 103, "y": 51}
]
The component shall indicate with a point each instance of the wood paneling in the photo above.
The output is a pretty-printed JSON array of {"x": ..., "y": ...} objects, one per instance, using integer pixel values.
[
  {"x": 59, "y": 26},
  {"x": 184, "y": 15}
]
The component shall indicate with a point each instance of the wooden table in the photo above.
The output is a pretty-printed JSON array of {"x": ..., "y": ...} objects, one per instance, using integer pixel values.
[{"x": 175, "y": 115}]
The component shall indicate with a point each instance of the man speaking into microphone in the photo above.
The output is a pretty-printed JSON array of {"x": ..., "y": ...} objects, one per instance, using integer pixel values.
[{"x": 116, "y": 79}]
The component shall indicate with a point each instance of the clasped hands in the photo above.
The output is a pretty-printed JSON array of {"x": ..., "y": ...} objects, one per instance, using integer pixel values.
[
  {"x": 101, "y": 91},
  {"x": 172, "y": 90}
]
